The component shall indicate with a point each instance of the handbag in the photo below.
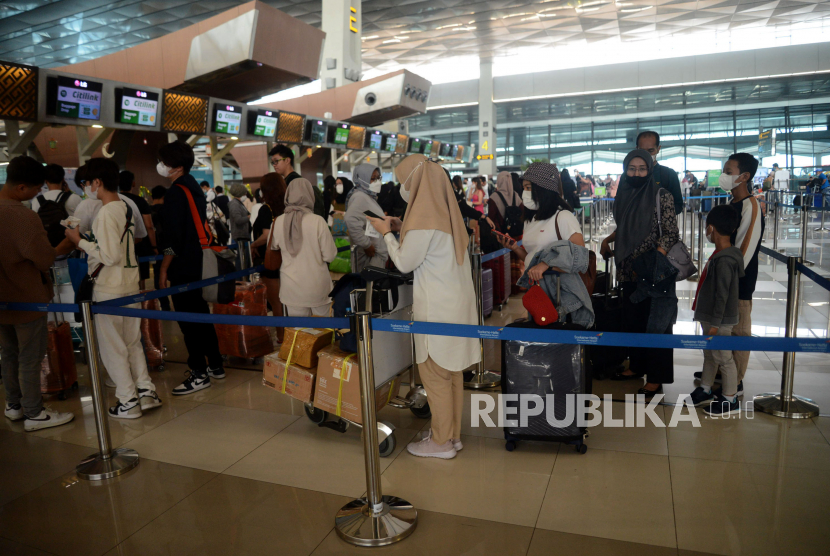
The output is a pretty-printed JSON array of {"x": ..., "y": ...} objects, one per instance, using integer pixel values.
[
  {"x": 540, "y": 307},
  {"x": 216, "y": 260},
  {"x": 589, "y": 277},
  {"x": 678, "y": 255},
  {"x": 273, "y": 259}
]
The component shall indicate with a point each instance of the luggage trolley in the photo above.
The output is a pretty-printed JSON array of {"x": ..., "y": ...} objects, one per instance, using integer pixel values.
[{"x": 393, "y": 355}]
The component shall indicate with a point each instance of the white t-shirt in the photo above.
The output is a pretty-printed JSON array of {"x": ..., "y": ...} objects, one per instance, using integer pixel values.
[
  {"x": 52, "y": 195},
  {"x": 539, "y": 234},
  {"x": 88, "y": 210}
]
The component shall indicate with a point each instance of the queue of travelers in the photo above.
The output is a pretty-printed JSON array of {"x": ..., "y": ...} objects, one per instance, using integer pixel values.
[{"x": 418, "y": 225}]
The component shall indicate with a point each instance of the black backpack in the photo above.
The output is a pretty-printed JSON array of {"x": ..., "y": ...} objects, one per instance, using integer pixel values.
[
  {"x": 51, "y": 213},
  {"x": 513, "y": 222}
]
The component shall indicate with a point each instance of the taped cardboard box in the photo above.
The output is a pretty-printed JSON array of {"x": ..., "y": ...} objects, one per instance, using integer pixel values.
[
  {"x": 306, "y": 342},
  {"x": 330, "y": 387},
  {"x": 299, "y": 381}
]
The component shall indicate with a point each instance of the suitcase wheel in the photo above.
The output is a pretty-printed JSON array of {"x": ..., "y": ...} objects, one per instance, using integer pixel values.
[
  {"x": 62, "y": 395},
  {"x": 316, "y": 416},
  {"x": 387, "y": 446},
  {"x": 580, "y": 446},
  {"x": 510, "y": 445},
  {"x": 421, "y": 412}
]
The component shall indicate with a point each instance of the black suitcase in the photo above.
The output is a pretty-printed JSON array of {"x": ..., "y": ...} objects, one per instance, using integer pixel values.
[
  {"x": 608, "y": 317},
  {"x": 544, "y": 369}
]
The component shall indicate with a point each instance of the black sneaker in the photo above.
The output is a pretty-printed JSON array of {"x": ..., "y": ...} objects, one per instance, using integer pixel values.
[
  {"x": 193, "y": 383},
  {"x": 129, "y": 410},
  {"x": 699, "y": 375},
  {"x": 217, "y": 373},
  {"x": 701, "y": 398}
]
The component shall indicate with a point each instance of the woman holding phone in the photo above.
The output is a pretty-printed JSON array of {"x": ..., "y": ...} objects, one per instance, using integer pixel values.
[{"x": 368, "y": 248}]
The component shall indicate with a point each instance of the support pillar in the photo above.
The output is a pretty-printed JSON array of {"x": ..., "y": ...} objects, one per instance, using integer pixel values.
[
  {"x": 486, "y": 119},
  {"x": 216, "y": 156},
  {"x": 342, "y": 50}
]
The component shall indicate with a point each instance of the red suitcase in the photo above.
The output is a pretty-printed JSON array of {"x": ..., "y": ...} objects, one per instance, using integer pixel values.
[
  {"x": 151, "y": 333},
  {"x": 58, "y": 374},
  {"x": 247, "y": 342},
  {"x": 501, "y": 278}
]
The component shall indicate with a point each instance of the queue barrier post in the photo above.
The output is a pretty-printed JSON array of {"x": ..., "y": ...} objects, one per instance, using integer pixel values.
[
  {"x": 375, "y": 520},
  {"x": 482, "y": 378},
  {"x": 683, "y": 215},
  {"x": 777, "y": 217},
  {"x": 823, "y": 228},
  {"x": 700, "y": 234},
  {"x": 786, "y": 404},
  {"x": 107, "y": 463},
  {"x": 805, "y": 221}
]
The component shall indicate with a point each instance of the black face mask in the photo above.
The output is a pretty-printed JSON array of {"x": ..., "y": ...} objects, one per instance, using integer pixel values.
[{"x": 636, "y": 181}]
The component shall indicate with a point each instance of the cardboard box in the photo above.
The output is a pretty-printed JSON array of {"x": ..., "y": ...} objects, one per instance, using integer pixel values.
[
  {"x": 331, "y": 362},
  {"x": 300, "y": 381},
  {"x": 306, "y": 345}
]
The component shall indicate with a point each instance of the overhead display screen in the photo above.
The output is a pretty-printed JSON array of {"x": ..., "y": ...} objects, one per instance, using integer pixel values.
[
  {"x": 391, "y": 143},
  {"x": 227, "y": 119},
  {"x": 376, "y": 140},
  {"x": 264, "y": 124},
  {"x": 68, "y": 97},
  {"x": 341, "y": 134},
  {"x": 415, "y": 146},
  {"x": 445, "y": 149},
  {"x": 317, "y": 131},
  {"x": 454, "y": 151},
  {"x": 137, "y": 107}
]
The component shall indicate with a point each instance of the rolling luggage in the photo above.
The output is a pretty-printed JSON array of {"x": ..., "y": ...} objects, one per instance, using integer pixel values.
[
  {"x": 486, "y": 292},
  {"x": 58, "y": 374},
  {"x": 152, "y": 337},
  {"x": 608, "y": 317},
  {"x": 247, "y": 342},
  {"x": 556, "y": 370},
  {"x": 501, "y": 278}
]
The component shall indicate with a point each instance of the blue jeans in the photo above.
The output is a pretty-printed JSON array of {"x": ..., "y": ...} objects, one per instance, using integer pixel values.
[{"x": 23, "y": 347}]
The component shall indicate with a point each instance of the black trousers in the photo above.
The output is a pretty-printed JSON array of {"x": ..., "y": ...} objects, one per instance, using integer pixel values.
[
  {"x": 656, "y": 363},
  {"x": 164, "y": 301},
  {"x": 199, "y": 338}
]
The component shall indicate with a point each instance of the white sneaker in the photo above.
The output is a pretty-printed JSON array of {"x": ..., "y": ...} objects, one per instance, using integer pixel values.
[
  {"x": 129, "y": 410},
  {"x": 148, "y": 399},
  {"x": 193, "y": 383},
  {"x": 14, "y": 412},
  {"x": 47, "y": 419},
  {"x": 456, "y": 443},
  {"x": 427, "y": 448},
  {"x": 109, "y": 383}
]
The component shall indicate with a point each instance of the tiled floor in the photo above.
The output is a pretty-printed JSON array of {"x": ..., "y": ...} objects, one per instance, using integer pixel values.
[{"x": 238, "y": 469}]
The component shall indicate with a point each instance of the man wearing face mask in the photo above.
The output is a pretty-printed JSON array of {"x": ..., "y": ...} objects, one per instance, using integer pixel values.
[
  {"x": 736, "y": 178},
  {"x": 368, "y": 248},
  {"x": 88, "y": 209},
  {"x": 663, "y": 176}
]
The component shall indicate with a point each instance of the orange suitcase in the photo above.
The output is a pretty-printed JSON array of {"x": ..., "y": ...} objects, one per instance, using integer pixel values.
[
  {"x": 58, "y": 374},
  {"x": 247, "y": 342},
  {"x": 153, "y": 337}
]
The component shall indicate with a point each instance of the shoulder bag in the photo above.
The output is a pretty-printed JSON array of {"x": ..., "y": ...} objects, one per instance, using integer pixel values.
[
  {"x": 273, "y": 259},
  {"x": 678, "y": 255},
  {"x": 216, "y": 260}
]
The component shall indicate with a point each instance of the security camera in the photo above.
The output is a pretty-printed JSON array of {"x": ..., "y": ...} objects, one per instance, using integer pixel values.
[{"x": 371, "y": 99}]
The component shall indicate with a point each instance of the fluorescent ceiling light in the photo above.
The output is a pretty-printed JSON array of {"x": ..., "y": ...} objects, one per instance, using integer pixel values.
[{"x": 294, "y": 92}]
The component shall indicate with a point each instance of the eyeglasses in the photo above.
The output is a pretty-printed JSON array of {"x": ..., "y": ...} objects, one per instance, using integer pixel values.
[{"x": 276, "y": 161}]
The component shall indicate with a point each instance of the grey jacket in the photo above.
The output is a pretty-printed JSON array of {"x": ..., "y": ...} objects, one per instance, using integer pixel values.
[
  {"x": 574, "y": 299},
  {"x": 356, "y": 226},
  {"x": 239, "y": 220},
  {"x": 717, "y": 300}
]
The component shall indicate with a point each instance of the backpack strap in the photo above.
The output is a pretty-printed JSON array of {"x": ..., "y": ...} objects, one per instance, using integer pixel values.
[
  {"x": 63, "y": 198},
  {"x": 200, "y": 230},
  {"x": 129, "y": 220},
  {"x": 556, "y": 224},
  {"x": 41, "y": 200}
]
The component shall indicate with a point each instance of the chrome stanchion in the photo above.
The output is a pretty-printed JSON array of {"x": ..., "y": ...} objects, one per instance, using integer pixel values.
[
  {"x": 700, "y": 235},
  {"x": 823, "y": 228},
  {"x": 107, "y": 463},
  {"x": 482, "y": 378},
  {"x": 582, "y": 217},
  {"x": 777, "y": 217},
  {"x": 805, "y": 221},
  {"x": 785, "y": 403},
  {"x": 685, "y": 205},
  {"x": 376, "y": 520}
]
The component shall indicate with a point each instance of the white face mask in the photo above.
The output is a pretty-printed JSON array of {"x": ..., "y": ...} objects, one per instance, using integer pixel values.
[
  {"x": 404, "y": 190},
  {"x": 90, "y": 193},
  {"x": 163, "y": 170},
  {"x": 375, "y": 186},
  {"x": 338, "y": 188},
  {"x": 654, "y": 158},
  {"x": 527, "y": 200},
  {"x": 727, "y": 182},
  {"x": 709, "y": 236}
]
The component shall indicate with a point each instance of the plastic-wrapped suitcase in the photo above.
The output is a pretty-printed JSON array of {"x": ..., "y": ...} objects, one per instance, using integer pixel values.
[
  {"x": 58, "y": 374},
  {"x": 247, "y": 342},
  {"x": 557, "y": 370},
  {"x": 501, "y": 278},
  {"x": 517, "y": 268},
  {"x": 608, "y": 317},
  {"x": 152, "y": 335},
  {"x": 486, "y": 292}
]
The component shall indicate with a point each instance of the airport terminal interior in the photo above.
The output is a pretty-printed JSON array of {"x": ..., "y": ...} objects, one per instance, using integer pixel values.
[{"x": 482, "y": 88}]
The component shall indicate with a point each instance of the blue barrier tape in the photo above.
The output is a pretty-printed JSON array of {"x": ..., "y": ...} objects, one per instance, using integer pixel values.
[
  {"x": 811, "y": 274},
  {"x": 344, "y": 248},
  {"x": 297, "y": 322},
  {"x": 496, "y": 254},
  {"x": 131, "y": 299},
  {"x": 774, "y": 254},
  {"x": 150, "y": 258},
  {"x": 40, "y": 307},
  {"x": 814, "y": 209},
  {"x": 587, "y": 337}
]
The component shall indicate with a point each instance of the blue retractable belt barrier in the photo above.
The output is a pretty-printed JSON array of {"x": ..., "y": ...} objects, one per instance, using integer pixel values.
[
  {"x": 154, "y": 258},
  {"x": 806, "y": 271},
  {"x": 298, "y": 322},
  {"x": 40, "y": 307},
  {"x": 774, "y": 254},
  {"x": 496, "y": 254}
]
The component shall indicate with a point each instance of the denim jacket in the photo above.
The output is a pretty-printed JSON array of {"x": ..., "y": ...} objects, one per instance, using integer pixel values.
[
  {"x": 656, "y": 280},
  {"x": 574, "y": 299}
]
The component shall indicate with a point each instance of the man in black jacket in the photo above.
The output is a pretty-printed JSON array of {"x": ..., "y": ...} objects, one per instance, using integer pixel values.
[
  {"x": 663, "y": 175},
  {"x": 183, "y": 264},
  {"x": 221, "y": 200},
  {"x": 282, "y": 159}
]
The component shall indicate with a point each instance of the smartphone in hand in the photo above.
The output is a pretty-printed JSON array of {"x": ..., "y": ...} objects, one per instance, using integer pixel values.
[{"x": 372, "y": 214}]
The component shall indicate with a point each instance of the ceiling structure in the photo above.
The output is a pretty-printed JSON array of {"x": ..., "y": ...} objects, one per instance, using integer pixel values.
[{"x": 396, "y": 33}]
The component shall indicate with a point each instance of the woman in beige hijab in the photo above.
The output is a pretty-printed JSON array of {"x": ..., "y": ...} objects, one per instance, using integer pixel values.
[
  {"x": 433, "y": 244},
  {"x": 307, "y": 248}
]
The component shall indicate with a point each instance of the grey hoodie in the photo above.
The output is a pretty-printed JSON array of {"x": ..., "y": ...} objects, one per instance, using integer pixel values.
[{"x": 717, "y": 300}]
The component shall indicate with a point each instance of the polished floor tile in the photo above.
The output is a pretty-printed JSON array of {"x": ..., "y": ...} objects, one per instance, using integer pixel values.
[
  {"x": 68, "y": 516},
  {"x": 11, "y": 548},
  {"x": 175, "y": 373},
  {"x": 614, "y": 495},
  {"x": 649, "y": 439},
  {"x": 252, "y": 394},
  {"x": 545, "y": 543},
  {"x": 306, "y": 455},
  {"x": 484, "y": 481},
  {"x": 28, "y": 462},
  {"x": 210, "y": 437},
  {"x": 823, "y": 424},
  {"x": 443, "y": 535},
  {"x": 481, "y": 428},
  {"x": 763, "y": 439},
  {"x": 738, "y": 508},
  {"x": 235, "y": 516}
]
